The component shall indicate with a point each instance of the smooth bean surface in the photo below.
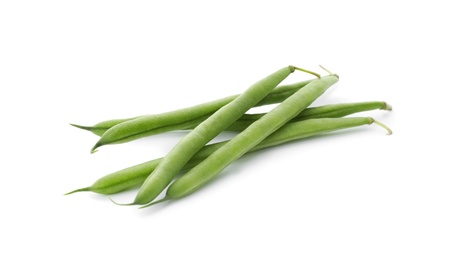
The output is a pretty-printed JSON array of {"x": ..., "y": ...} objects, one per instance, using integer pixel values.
[
  {"x": 249, "y": 138},
  {"x": 134, "y": 176},
  {"x": 124, "y": 130},
  {"x": 326, "y": 111},
  {"x": 278, "y": 95},
  {"x": 177, "y": 158},
  {"x": 330, "y": 111}
]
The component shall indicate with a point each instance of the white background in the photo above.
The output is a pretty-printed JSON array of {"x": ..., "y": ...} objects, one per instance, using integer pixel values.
[{"x": 357, "y": 194}]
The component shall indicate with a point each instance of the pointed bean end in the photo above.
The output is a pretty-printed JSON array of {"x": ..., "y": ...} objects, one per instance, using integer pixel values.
[
  {"x": 94, "y": 149},
  {"x": 88, "y": 128},
  {"x": 122, "y": 204},
  {"x": 155, "y": 202},
  {"x": 78, "y": 190}
]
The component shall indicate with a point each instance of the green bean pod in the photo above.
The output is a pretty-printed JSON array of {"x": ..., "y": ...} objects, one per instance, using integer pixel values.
[
  {"x": 159, "y": 124},
  {"x": 100, "y": 128},
  {"x": 289, "y": 132},
  {"x": 326, "y": 111},
  {"x": 249, "y": 138},
  {"x": 134, "y": 176},
  {"x": 196, "y": 139},
  {"x": 330, "y": 111}
]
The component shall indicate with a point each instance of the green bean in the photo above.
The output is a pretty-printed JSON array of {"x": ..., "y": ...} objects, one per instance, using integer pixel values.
[
  {"x": 175, "y": 160},
  {"x": 276, "y": 96},
  {"x": 247, "y": 139},
  {"x": 134, "y": 176},
  {"x": 327, "y": 111},
  {"x": 175, "y": 119},
  {"x": 289, "y": 132},
  {"x": 330, "y": 111},
  {"x": 100, "y": 128}
]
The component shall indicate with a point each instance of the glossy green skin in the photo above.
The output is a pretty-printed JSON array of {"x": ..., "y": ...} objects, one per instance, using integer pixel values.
[
  {"x": 177, "y": 158},
  {"x": 134, "y": 176},
  {"x": 249, "y": 138}
]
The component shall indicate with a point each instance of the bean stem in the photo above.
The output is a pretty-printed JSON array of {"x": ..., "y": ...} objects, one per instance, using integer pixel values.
[
  {"x": 328, "y": 71},
  {"x": 308, "y": 71},
  {"x": 389, "y": 131}
]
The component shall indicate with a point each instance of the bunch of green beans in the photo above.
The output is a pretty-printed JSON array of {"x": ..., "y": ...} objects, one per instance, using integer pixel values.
[{"x": 291, "y": 120}]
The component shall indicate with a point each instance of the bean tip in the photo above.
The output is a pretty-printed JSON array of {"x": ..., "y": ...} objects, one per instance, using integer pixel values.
[
  {"x": 121, "y": 204},
  {"x": 81, "y": 127},
  {"x": 77, "y": 190},
  {"x": 94, "y": 149},
  {"x": 154, "y": 202}
]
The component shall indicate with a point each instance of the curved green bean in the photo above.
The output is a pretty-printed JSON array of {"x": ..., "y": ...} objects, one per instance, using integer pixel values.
[
  {"x": 330, "y": 111},
  {"x": 326, "y": 111},
  {"x": 177, "y": 158},
  {"x": 134, "y": 176},
  {"x": 278, "y": 95},
  {"x": 249, "y": 138},
  {"x": 128, "y": 129},
  {"x": 289, "y": 132}
]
